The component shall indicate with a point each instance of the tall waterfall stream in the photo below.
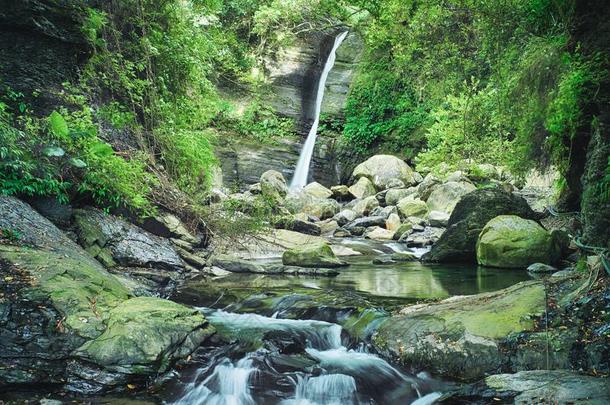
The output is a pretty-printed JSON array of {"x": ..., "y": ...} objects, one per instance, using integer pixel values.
[{"x": 302, "y": 170}]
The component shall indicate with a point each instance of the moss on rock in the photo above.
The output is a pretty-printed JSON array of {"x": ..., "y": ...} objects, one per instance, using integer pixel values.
[
  {"x": 145, "y": 335},
  {"x": 512, "y": 242}
]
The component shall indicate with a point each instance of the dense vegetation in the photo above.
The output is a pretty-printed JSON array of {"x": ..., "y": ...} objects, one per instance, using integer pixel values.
[{"x": 443, "y": 83}]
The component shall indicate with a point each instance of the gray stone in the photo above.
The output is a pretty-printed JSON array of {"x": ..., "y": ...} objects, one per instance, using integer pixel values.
[
  {"x": 384, "y": 169},
  {"x": 438, "y": 219}
]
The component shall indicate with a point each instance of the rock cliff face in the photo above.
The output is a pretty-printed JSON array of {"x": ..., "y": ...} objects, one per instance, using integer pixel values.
[
  {"x": 294, "y": 72},
  {"x": 41, "y": 46},
  {"x": 244, "y": 162}
]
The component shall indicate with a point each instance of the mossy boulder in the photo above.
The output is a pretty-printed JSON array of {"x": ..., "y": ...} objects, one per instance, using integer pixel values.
[
  {"x": 381, "y": 170},
  {"x": 145, "y": 335},
  {"x": 322, "y": 208},
  {"x": 459, "y": 337},
  {"x": 445, "y": 197},
  {"x": 273, "y": 185},
  {"x": 409, "y": 207},
  {"x": 313, "y": 255},
  {"x": 509, "y": 241},
  {"x": 316, "y": 190},
  {"x": 471, "y": 214},
  {"x": 55, "y": 298},
  {"x": 362, "y": 188}
]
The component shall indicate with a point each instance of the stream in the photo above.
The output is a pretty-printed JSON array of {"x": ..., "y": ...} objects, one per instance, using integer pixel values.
[{"x": 296, "y": 340}]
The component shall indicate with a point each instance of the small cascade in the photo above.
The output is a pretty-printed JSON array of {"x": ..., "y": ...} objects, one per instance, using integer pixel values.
[
  {"x": 348, "y": 376},
  {"x": 227, "y": 385},
  {"x": 328, "y": 389},
  {"x": 302, "y": 170}
]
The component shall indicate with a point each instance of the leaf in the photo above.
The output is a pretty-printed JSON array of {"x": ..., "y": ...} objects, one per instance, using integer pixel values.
[
  {"x": 101, "y": 149},
  {"x": 53, "y": 151},
  {"x": 58, "y": 125},
  {"x": 77, "y": 163}
]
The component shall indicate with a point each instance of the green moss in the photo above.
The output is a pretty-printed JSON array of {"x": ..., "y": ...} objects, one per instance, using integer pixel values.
[
  {"x": 78, "y": 287},
  {"x": 145, "y": 334}
]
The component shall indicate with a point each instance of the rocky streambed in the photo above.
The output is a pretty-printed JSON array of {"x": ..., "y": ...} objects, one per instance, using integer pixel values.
[{"x": 347, "y": 300}]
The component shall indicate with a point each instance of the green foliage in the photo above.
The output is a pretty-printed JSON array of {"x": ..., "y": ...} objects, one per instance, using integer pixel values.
[
  {"x": 11, "y": 235},
  {"x": 383, "y": 109},
  {"x": 61, "y": 154},
  {"x": 502, "y": 82}
]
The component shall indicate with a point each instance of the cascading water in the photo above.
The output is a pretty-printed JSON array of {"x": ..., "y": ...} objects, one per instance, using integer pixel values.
[
  {"x": 299, "y": 180},
  {"x": 344, "y": 376}
]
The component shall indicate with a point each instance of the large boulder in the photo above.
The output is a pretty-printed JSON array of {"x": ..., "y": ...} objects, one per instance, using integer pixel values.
[
  {"x": 427, "y": 186},
  {"x": 115, "y": 241},
  {"x": 409, "y": 207},
  {"x": 470, "y": 215},
  {"x": 509, "y": 241},
  {"x": 273, "y": 185},
  {"x": 56, "y": 299},
  {"x": 394, "y": 195},
  {"x": 345, "y": 216},
  {"x": 145, "y": 335},
  {"x": 314, "y": 255},
  {"x": 446, "y": 196},
  {"x": 362, "y": 188},
  {"x": 364, "y": 206},
  {"x": 461, "y": 336},
  {"x": 538, "y": 387},
  {"x": 341, "y": 193},
  {"x": 322, "y": 208},
  {"x": 316, "y": 190},
  {"x": 298, "y": 223},
  {"x": 383, "y": 169}
]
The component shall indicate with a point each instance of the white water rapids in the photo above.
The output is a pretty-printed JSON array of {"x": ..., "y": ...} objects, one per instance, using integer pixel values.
[
  {"x": 232, "y": 382},
  {"x": 299, "y": 180}
]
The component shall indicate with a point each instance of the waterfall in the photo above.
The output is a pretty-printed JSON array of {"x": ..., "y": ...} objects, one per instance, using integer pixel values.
[{"x": 302, "y": 170}]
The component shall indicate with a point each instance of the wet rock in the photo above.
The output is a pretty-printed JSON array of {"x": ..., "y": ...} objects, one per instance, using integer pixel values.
[
  {"x": 384, "y": 169},
  {"x": 55, "y": 211},
  {"x": 314, "y": 255},
  {"x": 362, "y": 188},
  {"x": 124, "y": 243},
  {"x": 404, "y": 229},
  {"x": 383, "y": 261},
  {"x": 145, "y": 336},
  {"x": 378, "y": 233},
  {"x": 420, "y": 239},
  {"x": 512, "y": 242},
  {"x": 540, "y": 268},
  {"x": 403, "y": 257},
  {"x": 60, "y": 299},
  {"x": 236, "y": 265},
  {"x": 408, "y": 207},
  {"x": 328, "y": 226},
  {"x": 459, "y": 337},
  {"x": 467, "y": 220},
  {"x": 345, "y": 216},
  {"x": 542, "y": 387},
  {"x": 316, "y": 190},
  {"x": 446, "y": 196},
  {"x": 342, "y": 233},
  {"x": 365, "y": 222}
]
